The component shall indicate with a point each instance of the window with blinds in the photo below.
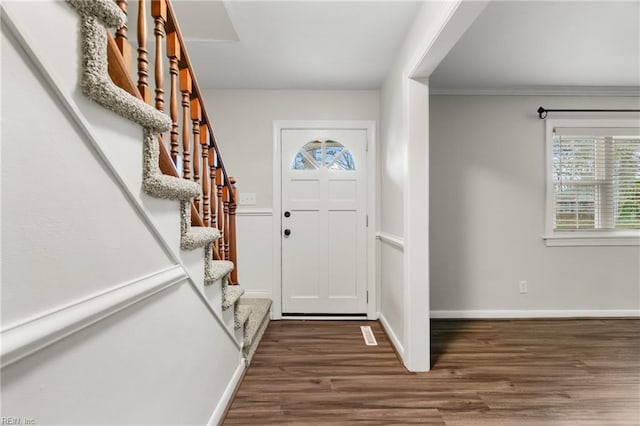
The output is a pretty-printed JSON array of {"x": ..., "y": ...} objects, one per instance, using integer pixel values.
[{"x": 596, "y": 178}]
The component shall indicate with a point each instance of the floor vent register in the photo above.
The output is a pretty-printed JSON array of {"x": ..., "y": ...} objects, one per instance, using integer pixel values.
[{"x": 369, "y": 338}]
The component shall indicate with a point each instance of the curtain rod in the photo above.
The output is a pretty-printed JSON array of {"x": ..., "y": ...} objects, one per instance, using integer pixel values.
[{"x": 542, "y": 112}]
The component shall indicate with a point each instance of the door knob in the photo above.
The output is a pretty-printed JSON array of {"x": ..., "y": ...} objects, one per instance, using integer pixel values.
[
  {"x": 287, "y": 214},
  {"x": 287, "y": 232}
]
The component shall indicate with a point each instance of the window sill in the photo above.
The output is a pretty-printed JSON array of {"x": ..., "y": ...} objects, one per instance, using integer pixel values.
[{"x": 571, "y": 239}]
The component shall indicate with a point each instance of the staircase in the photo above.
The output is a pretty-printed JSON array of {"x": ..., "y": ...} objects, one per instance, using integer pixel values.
[{"x": 191, "y": 172}]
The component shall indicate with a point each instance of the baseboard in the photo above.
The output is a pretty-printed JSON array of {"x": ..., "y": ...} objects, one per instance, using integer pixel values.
[
  {"x": 505, "y": 314},
  {"x": 392, "y": 336},
  {"x": 227, "y": 397},
  {"x": 286, "y": 317}
]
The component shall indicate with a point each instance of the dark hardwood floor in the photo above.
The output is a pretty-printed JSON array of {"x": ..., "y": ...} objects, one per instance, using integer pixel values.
[{"x": 520, "y": 372}]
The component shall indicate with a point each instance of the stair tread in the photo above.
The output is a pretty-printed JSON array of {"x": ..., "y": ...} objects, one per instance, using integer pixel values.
[
  {"x": 168, "y": 187},
  {"x": 259, "y": 313},
  {"x": 218, "y": 269},
  {"x": 230, "y": 294},
  {"x": 199, "y": 236},
  {"x": 241, "y": 315}
]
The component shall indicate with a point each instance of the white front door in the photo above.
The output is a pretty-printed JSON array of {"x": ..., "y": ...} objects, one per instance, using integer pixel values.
[{"x": 324, "y": 250}]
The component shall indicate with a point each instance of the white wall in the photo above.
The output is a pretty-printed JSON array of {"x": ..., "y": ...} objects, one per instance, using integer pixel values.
[
  {"x": 487, "y": 216},
  {"x": 59, "y": 204},
  {"x": 394, "y": 117},
  {"x": 139, "y": 366},
  {"x": 243, "y": 123},
  {"x": 87, "y": 304},
  {"x": 391, "y": 289},
  {"x": 255, "y": 252}
]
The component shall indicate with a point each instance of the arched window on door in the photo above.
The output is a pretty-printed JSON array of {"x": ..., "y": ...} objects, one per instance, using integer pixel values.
[{"x": 323, "y": 154}]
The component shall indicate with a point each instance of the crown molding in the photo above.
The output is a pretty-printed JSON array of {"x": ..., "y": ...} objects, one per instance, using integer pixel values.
[{"x": 617, "y": 91}]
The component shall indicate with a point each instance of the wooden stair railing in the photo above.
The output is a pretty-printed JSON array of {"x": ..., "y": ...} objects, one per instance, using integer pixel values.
[{"x": 198, "y": 157}]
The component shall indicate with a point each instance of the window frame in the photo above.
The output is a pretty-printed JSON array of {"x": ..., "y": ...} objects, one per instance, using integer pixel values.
[
  {"x": 323, "y": 163},
  {"x": 594, "y": 237}
]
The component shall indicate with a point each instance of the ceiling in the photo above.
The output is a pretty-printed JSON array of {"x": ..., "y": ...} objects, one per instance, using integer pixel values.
[
  {"x": 516, "y": 44},
  {"x": 204, "y": 20},
  {"x": 323, "y": 44},
  {"x": 294, "y": 44}
]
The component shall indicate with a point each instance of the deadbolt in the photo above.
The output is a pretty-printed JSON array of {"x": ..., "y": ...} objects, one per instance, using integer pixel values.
[{"x": 287, "y": 214}]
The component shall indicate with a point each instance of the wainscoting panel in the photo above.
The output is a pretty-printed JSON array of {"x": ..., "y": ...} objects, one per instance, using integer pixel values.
[
  {"x": 137, "y": 366},
  {"x": 255, "y": 251},
  {"x": 21, "y": 340},
  {"x": 391, "y": 275}
]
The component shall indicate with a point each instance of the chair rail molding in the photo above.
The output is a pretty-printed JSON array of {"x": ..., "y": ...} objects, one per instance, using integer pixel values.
[
  {"x": 254, "y": 212},
  {"x": 392, "y": 240},
  {"x": 34, "y": 334}
]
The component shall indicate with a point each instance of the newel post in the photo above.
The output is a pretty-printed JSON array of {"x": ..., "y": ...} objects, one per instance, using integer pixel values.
[
  {"x": 226, "y": 197},
  {"x": 232, "y": 230},
  {"x": 221, "y": 217}
]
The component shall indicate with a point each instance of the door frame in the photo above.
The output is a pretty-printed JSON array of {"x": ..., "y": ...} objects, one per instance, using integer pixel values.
[{"x": 372, "y": 199}]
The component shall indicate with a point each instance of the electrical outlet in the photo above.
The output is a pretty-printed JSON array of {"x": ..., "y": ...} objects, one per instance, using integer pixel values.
[
  {"x": 524, "y": 287},
  {"x": 247, "y": 199}
]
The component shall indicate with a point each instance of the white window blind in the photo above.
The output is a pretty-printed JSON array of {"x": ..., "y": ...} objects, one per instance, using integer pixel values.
[{"x": 596, "y": 178}]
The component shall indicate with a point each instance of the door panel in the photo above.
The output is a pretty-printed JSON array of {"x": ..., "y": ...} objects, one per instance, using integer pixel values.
[
  {"x": 304, "y": 190},
  {"x": 342, "y": 190},
  {"x": 324, "y": 190},
  {"x": 342, "y": 254},
  {"x": 304, "y": 241}
]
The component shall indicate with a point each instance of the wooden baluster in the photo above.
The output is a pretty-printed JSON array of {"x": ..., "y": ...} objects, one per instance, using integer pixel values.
[
  {"x": 143, "y": 53},
  {"x": 196, "y": 116},
  {"x": 221, "y": 218},
  {"x": 232, "y": 230},
  {"x": 173, "y": 52},
  {"x": 226, "y": 195},
  {"x": 185, "y": 88},
  {"x": 121, "y": 36},
  {"x": 159, "y": 13},
  {"x": 204, "y": 141},
  {"x": 214, "y": 187}
]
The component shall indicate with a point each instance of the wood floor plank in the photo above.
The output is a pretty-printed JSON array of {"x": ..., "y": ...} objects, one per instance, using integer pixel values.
[{"x": 508, "y": 372}]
